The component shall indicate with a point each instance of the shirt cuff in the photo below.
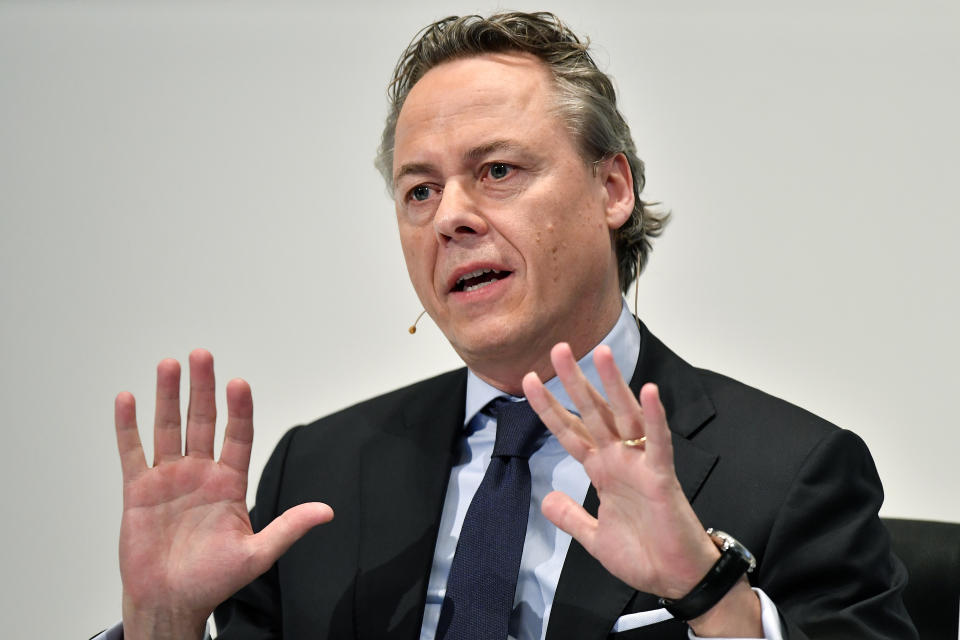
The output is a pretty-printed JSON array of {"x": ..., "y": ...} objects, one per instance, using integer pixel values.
[
  {"x": 113, "y": 633},
  {"x": 116, "y": 633},
  {"x": 769, "y": 618}
]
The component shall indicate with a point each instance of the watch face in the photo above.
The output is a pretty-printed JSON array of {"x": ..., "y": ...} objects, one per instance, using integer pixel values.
[{"x": 727, "y": 542}]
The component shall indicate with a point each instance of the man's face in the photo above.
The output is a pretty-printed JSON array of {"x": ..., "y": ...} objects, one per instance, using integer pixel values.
[{"x": 506, "y": 230}]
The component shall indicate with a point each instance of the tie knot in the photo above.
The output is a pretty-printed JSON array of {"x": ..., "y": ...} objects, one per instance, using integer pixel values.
[{"x": 519, "y": 429}]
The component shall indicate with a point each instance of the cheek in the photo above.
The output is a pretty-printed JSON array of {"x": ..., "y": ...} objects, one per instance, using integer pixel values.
[
  {"x": 571, "y": 248},
  {"x": 417, "y": 253},
  {"x": 551, "y": 247},
  {"x": 410, "y": 252},
  {"x": 411, "y": 241}
]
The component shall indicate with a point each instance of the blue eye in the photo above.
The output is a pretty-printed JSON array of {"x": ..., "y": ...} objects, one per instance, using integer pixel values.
[
  {"x": 499, "y": 170},
  {"x": 420, "y": 192}
]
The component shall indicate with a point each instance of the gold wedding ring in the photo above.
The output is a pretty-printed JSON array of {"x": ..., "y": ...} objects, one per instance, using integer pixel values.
[{"x": 639, "y": 443}]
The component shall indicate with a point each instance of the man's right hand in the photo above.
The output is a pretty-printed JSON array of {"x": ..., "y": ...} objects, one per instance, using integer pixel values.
[{"x": 186, "y": 543}]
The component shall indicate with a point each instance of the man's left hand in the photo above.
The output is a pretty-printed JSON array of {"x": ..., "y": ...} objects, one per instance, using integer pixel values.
[{"x": 645, "y": 532}]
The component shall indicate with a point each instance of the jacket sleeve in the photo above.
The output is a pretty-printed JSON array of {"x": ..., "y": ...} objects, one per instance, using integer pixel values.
[
  {"x": 829, "y": 567},
  {"x": 254, "y": 612}
]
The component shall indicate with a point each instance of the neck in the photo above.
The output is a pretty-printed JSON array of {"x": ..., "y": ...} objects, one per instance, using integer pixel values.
[{"x": 506, "y": 371}]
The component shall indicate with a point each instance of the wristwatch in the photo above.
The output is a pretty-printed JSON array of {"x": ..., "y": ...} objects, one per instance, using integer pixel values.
[{"x": 735, "y": 560}]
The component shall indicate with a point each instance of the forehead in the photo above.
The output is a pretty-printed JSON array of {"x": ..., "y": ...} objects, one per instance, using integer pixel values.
[
  {"x": 500, "y": 95},
  {"x": 489, "y": 71}
]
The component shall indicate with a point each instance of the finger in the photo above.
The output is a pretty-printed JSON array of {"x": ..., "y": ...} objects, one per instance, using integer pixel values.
[
  {"x": 568, "y": 515},
  {"x": 166, "y": 423},
  {"x": 238, "y": 437},
  {"x": 564, "y": 425},
  {"x": 596, "y": 414},
  {"x": 627, "y": 412},
  {"x": 287, "y": 528},
  {"x": 659, "y": 444},
  {"x": 202, "y": 410},
  {"x": 132, "y": 460}
]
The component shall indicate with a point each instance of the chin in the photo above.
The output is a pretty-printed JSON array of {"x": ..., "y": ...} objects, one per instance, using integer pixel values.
[{"x": 492, "y": 343}]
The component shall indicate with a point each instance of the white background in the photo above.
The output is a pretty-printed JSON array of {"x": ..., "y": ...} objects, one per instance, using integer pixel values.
[{"x": 183, "y": 174}]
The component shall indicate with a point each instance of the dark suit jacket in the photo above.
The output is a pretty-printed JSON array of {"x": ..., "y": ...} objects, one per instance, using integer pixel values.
[{"x": 801, "y": 494}]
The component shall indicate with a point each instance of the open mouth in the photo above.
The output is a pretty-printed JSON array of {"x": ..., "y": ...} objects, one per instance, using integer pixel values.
[{"x": 479, "y": 279}]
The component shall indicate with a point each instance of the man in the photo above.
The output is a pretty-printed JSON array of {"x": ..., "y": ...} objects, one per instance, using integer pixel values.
[{"x": 517, "y": 188}]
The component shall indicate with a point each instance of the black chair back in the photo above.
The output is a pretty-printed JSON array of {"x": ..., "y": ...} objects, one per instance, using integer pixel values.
[{"x": 931, "y": 553}]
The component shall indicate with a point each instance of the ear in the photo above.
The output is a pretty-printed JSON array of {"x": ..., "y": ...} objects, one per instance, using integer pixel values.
[{"x": 617, "y": 180}]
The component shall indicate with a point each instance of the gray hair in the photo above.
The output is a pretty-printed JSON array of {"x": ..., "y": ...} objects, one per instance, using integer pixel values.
[{"x": 586, "y": 102}]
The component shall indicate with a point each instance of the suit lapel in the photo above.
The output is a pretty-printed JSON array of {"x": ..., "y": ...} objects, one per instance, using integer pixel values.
[
  {"x": 589, "y": 600},
  {"x": 404, "y": 478}
]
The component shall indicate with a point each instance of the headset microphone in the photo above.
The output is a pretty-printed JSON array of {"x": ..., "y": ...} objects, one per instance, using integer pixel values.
[{"x": 413, "y": 327}]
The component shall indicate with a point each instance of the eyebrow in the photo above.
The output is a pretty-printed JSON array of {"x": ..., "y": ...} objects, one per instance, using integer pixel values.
[
  {"x": 483, "y": 150},
  {"x": 414, "y": 168},
  {"x": 471, "y": 155}
]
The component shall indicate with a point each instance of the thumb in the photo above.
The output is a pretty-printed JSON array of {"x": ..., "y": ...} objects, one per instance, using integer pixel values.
[
  {"x": 568, "y": 515},
  {"x": 287, "y": 528}
]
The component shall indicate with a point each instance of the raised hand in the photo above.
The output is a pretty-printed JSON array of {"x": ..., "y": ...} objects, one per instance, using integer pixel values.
[
  {"x": 645, "y": 532},
  {"x": 186, "y": 543}
]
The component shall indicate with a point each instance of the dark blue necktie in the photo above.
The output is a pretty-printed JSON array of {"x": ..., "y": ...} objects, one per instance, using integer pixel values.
[{"x": 483, "y": 576}]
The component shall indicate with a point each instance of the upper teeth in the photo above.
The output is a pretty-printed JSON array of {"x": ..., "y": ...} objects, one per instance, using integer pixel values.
[{"x": 475, "y": 274}]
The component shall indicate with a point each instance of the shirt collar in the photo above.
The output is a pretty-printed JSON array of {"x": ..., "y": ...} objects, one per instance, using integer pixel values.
[{"x": 624, "y": 342}]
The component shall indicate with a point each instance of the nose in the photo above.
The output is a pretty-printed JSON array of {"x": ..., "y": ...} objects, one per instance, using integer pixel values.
[{"x": 458, "y": 216}]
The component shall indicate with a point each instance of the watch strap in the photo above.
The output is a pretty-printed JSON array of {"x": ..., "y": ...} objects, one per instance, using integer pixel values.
[{"x": 734, "y": 561}]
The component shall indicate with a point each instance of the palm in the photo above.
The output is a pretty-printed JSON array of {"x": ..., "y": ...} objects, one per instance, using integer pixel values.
[
  {"x": 638, "y": 504},
  {"x": 645, "y": 532},
  {"x": 182, "y": 523},
  {"x": 185, "y": 538}
]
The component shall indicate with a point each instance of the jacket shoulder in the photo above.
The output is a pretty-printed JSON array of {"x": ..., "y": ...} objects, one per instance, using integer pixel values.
[
  {"x": 760, "y": 415},
  {"x": 386, "y": 412}
]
